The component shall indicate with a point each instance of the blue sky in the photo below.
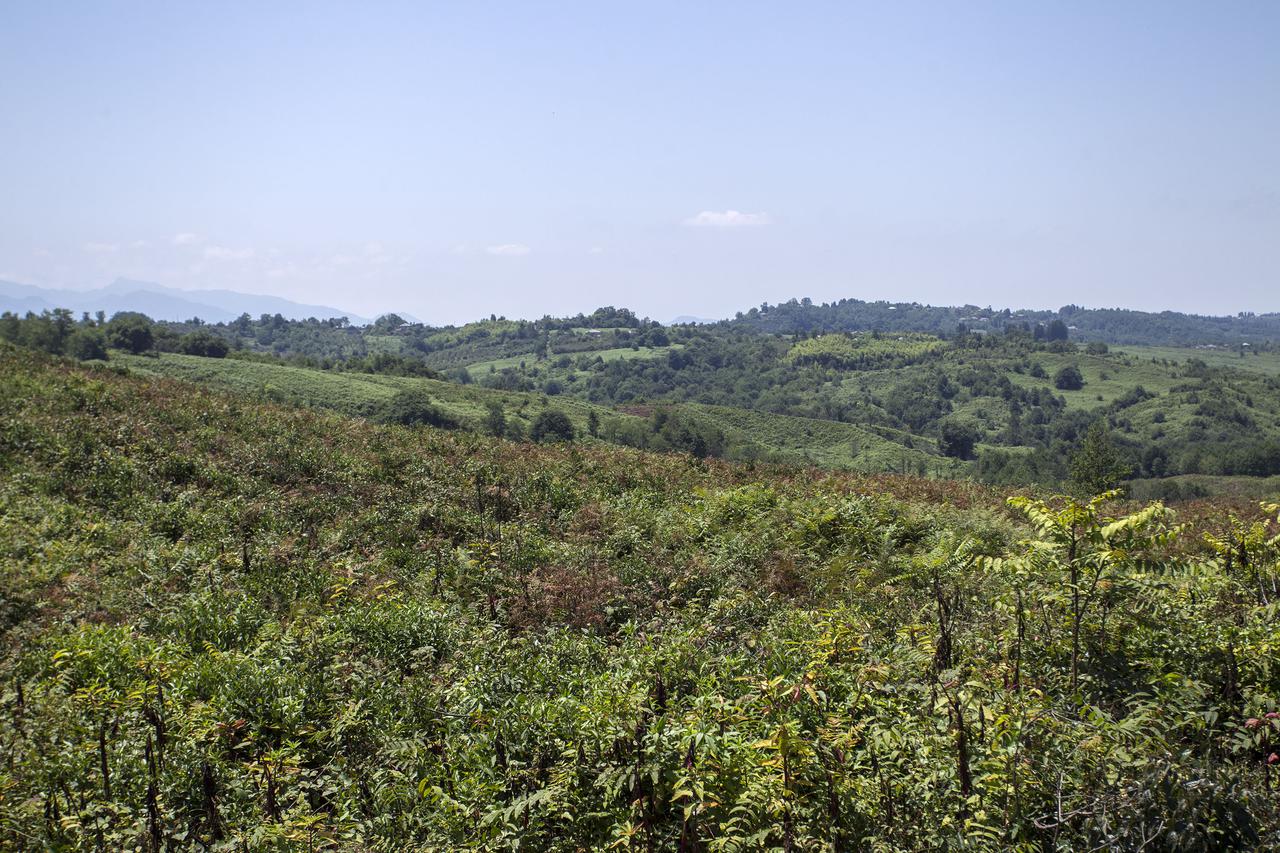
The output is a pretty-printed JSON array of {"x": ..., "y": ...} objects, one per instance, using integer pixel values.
[{"x": 456, "y": 160}]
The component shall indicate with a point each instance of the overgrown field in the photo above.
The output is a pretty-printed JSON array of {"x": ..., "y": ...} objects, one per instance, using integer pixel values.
[{"x": 235, "y": 625}]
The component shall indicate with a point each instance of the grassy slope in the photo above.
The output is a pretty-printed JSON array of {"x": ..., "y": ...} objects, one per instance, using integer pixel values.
[
  {"x": 479, "y": 368},
  {"x": 352, "y": 393},
  {"x": 803, "y": 441},
  {"x": 779, "y": 437},
  {"x": 829, "y": 444}
]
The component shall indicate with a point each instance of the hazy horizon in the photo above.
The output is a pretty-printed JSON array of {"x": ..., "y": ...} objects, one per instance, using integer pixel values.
[{"x": 505, "y": 159}]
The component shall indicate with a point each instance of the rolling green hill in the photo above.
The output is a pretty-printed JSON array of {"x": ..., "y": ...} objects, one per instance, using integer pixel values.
[{"x": 1007, "y": 404}]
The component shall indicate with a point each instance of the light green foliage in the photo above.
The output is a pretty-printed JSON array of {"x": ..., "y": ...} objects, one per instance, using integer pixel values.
[{"x": 859, "y": 349}]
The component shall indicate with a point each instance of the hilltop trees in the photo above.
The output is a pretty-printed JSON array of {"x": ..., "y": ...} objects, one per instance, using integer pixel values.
[
  {"x": 87, "y": 343},
  {"x": 131, "y": 331},
  {"x": 204, "y": 343}
]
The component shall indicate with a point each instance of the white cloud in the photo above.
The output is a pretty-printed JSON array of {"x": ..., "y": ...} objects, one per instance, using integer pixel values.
[
  {"x": 139, "y": 244},
  {"x": 596, "y": 250},
  {"x": 728, "y": 219},
  {"x": 186, "y": 238},
  {"x": 222, "y": 253},
  {"x": 509, "y": 249},
  {"x": 376, "y": 253},
  {"x": 101, "y": 248}
]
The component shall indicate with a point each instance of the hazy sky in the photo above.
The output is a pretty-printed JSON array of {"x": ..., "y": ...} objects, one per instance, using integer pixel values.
[{"x": 453, "y": 160}]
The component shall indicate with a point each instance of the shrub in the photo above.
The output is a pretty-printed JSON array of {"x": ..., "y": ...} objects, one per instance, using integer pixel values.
[
  {"x": 552, "y": 425},
  {"x": 413, "y": 407},
  {"x": 958, "y": 439},
  {"x": 131, "y": 331},
  {"x": 1068, "y": 378},
  {"x": 201, "y": 342},
  {"x": 85, "y": 344}
]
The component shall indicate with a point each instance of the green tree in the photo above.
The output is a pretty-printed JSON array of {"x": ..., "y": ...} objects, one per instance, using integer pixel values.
[
  {"x": 552, "y": 425},
  {"x": 496, "y": 420},
  {"x": 1056, "y": 331},
  {"x": 958, "y": 439},
  {"x": 131, "y": 331},
  {"x": 1068, "y": 378},
  {"x": 205, "y": 343},
  {"x": 413, "y": 407},
  {"x": 1097, "y": 551},
  {"x": 1095, "y": 466},
  {"x": 593, "y": 424},
  {"x": 87, "y": 343}
]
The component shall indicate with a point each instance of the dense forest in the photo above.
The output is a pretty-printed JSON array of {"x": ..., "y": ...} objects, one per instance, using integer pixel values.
[
  {"x": 1109, "y": 325},
  {"x": 241, "y": 625}
]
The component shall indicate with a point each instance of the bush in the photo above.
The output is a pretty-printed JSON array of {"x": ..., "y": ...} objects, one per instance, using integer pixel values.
[
  {"x": 201, "y": 342},
  {"x": 1068, "y": 378},
  {"x": 131, "y": 331},
  {"x": 85, "y": 344},
  {"x": 958, "y": 439},
  {"x": 413, "y": 407},
  {"x": 552, "y": 425}
]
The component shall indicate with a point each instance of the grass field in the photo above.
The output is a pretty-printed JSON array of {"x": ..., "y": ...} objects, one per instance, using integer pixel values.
[
  {"x": 779, "y": 438},
  {"x": 830, "y": 444},
  {"x": 353, "y": 393},
  {"x": 1254, "y": 361},
  {"x": 479, "y": 368}
]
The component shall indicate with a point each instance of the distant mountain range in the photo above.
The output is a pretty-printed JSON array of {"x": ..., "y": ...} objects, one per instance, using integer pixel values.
[{"x": 162, "y": 303}]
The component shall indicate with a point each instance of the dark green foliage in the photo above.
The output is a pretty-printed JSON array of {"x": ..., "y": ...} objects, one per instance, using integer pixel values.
[
  {"x": 737, "y": 393},
  {"x": 205, "y": 343},
  {"x": 1056, "y": 331},
  {"x": 958, "y": 439},
  {"x": 131, "y": 332},
  {"x": 1096, "y": 466},
  {"x": 496, "y": 420},
  {"x": 1068, "y": 378},
  {"x": 86, "y": 344},
  {"x": 413, "y": 407},
  {"x": 552, "y": 425},
  {"x": 1114, "y": 325}
]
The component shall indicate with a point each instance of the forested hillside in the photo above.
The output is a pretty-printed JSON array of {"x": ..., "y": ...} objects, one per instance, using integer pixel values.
[
  {"x": 1012, "y": 407},
  {"x": 1108, "y": 325},
  {"x": 240, "y": 625}
]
